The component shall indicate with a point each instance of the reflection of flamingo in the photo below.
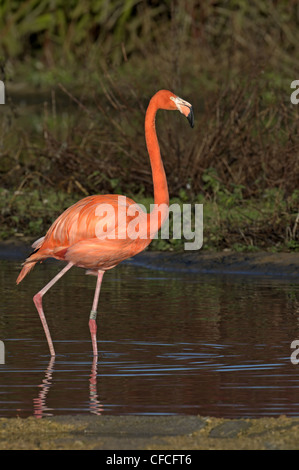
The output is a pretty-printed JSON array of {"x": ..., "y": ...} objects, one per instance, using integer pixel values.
[
  {"x": 40, "y": 408},
  {"x": 75, "y": 236},
  {"x": 40, "y": 403},
  {"x": 95, "y": 405}
]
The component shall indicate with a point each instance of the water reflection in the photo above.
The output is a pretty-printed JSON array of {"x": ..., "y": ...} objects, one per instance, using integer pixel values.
[
  {"x": 39, "y": 403},
  {"x": 40, "y": 408},
  {"x": 95, "y": 406},
  {"x": 168, "y": 343}
]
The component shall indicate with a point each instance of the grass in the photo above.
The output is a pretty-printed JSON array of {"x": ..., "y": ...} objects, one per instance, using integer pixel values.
[
  {"x": 230, "y": 222},
  {"x": 231, "y": 164}
]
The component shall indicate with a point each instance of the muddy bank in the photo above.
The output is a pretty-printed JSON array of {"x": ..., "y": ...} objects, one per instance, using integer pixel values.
[
  {"x": 152, "y": 433},
  {"x": 260, "y": 263}
]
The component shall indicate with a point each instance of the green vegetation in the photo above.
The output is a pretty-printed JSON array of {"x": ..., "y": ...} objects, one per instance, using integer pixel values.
[
  {"x": 78, "y": 78},
  {"x": 230, "y": 221}
]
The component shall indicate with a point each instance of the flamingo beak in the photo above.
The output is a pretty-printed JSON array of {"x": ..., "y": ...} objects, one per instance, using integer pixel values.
[
  {"x": 190, "y": 117},
  {"x": 185, "y": 108}
]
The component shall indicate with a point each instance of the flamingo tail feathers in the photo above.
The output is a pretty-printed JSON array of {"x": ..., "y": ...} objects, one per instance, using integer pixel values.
[
  {"x": 30, "y": 263},
  {"x": 26, "y": 268}
]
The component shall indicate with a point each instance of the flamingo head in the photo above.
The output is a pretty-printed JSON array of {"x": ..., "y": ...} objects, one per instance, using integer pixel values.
[{"x": 170, "y": 101}]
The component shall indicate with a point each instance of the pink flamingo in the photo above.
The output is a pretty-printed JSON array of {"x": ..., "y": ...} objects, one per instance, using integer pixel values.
[{"x": 74, "y": 236}]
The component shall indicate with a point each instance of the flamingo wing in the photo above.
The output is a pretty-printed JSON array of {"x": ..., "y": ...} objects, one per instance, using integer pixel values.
[{"x": 91, "y": 234}]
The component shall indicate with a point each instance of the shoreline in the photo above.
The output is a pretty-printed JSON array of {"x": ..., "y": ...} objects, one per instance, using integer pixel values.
[
  {"x": 260, "y": 263},
  {"x": 222, "y": 263},
  {"x": 88, "y": 432}
]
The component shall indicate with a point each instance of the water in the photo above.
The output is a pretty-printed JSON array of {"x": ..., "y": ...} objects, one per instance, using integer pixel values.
[{"x": 169, "y": 343}]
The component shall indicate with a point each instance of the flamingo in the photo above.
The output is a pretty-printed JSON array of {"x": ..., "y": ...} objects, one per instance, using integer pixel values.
[{"x": 75, "y": 236}]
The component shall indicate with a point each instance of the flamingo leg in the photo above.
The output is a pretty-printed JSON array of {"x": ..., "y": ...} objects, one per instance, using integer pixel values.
[
  {"x": 37, "y": 299},
  {"x": 93, "y": 314}
]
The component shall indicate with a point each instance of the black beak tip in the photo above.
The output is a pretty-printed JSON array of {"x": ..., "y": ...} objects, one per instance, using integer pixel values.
[{"x": 190, "y": 117}]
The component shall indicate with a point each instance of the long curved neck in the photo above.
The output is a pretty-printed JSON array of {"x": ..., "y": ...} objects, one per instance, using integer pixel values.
[{"x": 161, "y": 195}]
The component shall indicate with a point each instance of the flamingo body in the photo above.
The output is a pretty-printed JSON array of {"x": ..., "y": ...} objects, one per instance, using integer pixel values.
[
  {"x": 99, "y": 232},
  {"x": 80, "y": 235}
]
